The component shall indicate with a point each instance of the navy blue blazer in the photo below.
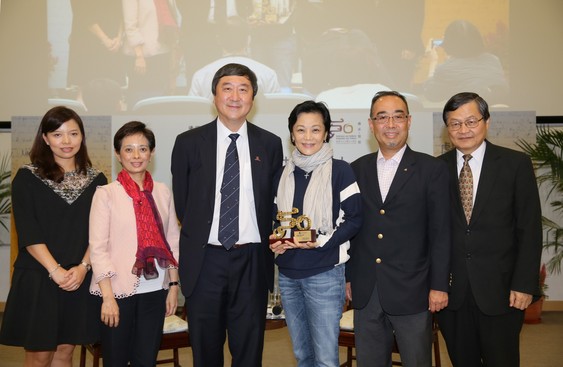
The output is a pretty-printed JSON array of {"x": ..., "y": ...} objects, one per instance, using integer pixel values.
[
  {"x": 193, "y": 182},
  {"x": 404, "y": 243}
]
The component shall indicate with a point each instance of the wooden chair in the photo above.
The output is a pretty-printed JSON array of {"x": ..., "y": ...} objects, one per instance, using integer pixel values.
[
  {"x": 278, "y": 102},
  {"x": 174, "y": 341},
  {"x": 346, "y": 339}
]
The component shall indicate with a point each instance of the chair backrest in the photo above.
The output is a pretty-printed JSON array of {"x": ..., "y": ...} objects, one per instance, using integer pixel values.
[
  {"x": 174, "y": 105},
  {"x": 279, "y": 102},
  {"x": 73, "y": 104},
  {"x": 359, "y": 96}
]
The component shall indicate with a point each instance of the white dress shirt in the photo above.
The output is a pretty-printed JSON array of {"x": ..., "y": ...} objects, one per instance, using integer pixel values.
[
  {"x": 248, "y": 224},
  {"x": 386, "y": 169}
]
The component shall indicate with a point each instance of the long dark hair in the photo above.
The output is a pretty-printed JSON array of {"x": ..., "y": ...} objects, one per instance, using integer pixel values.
[{"x": 42, "y": 156}]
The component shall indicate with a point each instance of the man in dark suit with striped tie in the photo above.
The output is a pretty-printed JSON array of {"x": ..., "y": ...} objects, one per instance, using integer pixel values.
[{"x": 222, "y": 175}]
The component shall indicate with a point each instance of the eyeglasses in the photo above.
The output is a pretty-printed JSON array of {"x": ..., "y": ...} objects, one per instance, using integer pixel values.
[
  {"x": 384, "y": 119},
  {"x": 470, "y": 123}
]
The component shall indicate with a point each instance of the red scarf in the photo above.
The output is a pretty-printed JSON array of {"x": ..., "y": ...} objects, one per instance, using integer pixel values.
[{"x": 151, "y": 240}]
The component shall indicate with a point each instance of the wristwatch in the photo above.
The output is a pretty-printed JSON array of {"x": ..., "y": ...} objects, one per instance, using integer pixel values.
[{"x": 86, "y": 265}]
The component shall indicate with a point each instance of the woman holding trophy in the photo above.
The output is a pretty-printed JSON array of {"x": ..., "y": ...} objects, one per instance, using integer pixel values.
[{"x": 319, "y": 210}]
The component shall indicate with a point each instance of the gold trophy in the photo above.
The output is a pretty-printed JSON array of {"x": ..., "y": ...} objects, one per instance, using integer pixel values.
[{"x": 300, "y": 227}]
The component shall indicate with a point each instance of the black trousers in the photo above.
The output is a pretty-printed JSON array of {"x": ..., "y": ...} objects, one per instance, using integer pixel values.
[
  {"x": 478, "y": 340},
  {"x": 230, "y": 297},
  {"x": 136, "y": 339}
]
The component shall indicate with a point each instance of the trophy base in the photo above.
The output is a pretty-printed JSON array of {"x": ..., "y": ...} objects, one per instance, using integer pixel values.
[
  {"x": 304, "y": 236},
  {"x": 272, "y": 241}
]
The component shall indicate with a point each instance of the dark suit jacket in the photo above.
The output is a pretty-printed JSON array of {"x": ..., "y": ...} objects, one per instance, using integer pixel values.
[
  {"x": 404, "y": 242},
  {"x": 193, "y": 180},
  {"x": 500, "y": 249}
]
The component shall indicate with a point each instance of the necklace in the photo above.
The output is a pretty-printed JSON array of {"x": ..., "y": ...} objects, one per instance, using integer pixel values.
[{"x": 307, "y": 175}]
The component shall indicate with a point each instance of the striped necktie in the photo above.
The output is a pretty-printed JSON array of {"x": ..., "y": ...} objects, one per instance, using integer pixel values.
[{"x": 230, "y": 188}]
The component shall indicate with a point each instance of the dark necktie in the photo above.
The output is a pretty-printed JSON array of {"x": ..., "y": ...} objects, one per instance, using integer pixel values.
[
  {"x": 230, "y": 188},
  {"x": 466, "y": 187}
]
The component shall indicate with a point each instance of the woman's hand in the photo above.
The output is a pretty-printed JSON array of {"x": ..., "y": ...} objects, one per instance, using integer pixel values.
[
  {"x": 59, "y": 276},
  {"x": 301, "y": 245},
  {"x": 110, "y": 312},
  {"x": 114, "y": 44},
  {"x": 277, "y": 247},
  {"x": 280, "y": 247},
  {"x": 73, "y": 278},
  {"x": 172, "y": 300},
  {"x": 140, "y": 65}
]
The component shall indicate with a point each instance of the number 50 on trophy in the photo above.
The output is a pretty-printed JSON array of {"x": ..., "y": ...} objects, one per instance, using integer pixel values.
[{"x": 300, "y": 227}]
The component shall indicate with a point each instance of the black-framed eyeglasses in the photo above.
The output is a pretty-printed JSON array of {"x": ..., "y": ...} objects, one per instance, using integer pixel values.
[
  {"x": 470, "y": 123},
  {"x": 384, "y": 119}
]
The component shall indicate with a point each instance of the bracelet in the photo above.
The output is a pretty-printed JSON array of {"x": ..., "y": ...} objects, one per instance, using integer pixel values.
[
  {"x": 86, "y": 265},
  {"x": 173, "y": 284},
  {"x": 54, "y": 270}
]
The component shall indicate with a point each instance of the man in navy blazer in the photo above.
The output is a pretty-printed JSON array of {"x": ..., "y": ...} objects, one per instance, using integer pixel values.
[
  {"x": 226, "y": 289},
  {"x": 399, "y": 261},
  {"x": 496, "y": 253}
]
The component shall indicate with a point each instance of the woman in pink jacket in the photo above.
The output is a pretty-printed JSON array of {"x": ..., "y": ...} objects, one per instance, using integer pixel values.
[{"x": 134, "y": 253}]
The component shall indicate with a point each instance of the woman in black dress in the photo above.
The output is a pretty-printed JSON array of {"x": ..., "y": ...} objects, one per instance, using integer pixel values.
[{"x": 49, "y": 309}]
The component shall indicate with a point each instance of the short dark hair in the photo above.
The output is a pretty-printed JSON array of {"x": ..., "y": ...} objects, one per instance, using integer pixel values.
[
  {"x": 234, "y": 35},
  {"x": 384, "y": 93},
  {"x": 463, "y": 39},
  {"x": 460, "y": 99},
  {"x": 42, "y": 156},
  {"x": 102, "y": 96},
  {"x": 310, "y": 107},
  {"x": 237, "y": 70},
  {"x": 133, "y": 128}
]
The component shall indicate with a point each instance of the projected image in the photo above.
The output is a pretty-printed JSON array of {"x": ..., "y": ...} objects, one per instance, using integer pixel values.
[{"x": 114, "y": 56}]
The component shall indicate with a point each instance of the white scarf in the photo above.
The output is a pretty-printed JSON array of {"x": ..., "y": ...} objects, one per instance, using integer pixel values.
[{"x": 317, "y": 203}]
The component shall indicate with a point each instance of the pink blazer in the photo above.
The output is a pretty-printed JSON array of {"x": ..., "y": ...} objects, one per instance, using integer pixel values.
[{"x": 113, "y": 236}]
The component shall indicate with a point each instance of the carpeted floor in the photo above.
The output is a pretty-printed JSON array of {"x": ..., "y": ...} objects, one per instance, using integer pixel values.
[{"x": 541, "y": 346}]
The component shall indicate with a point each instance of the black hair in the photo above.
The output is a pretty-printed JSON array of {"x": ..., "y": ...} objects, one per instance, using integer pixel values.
[
  {"x": 310, "y": 107},
  {"x": 133, "y": 128},
  {"x": 460, "y": 99},
  {"x": 237, "y": 70},
  {"x": 41, "y": 154},
  {"x": 385, "y": 93},
  {"x": 463, "y": 39}
]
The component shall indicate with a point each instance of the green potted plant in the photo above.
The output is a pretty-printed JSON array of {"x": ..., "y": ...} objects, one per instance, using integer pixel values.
[
  {"x": 5, "y": 192},
  {"x": 547, "y": 157}
]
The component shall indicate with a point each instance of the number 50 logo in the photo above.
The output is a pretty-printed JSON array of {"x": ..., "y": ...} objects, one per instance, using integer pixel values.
[{"x": 340, "y": 127}]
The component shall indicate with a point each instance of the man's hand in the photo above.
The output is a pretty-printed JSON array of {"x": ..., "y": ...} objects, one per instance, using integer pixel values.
[
  {"x": 437, "y": 300},
  {"x": 349, "y": 291},
  {"x": 520, "y": 300}
]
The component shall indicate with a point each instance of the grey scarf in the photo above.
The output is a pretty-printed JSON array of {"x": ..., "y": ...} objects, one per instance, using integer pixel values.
[{"x": 317, "y": 203}]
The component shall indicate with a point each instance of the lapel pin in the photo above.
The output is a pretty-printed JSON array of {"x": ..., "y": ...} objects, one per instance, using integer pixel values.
[{"x": 257, "y": 159}]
